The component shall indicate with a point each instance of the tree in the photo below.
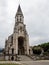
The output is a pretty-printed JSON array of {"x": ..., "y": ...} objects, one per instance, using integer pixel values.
[
  {"x": 45, "y": 46},
  {"x": 37, "y": 50}
]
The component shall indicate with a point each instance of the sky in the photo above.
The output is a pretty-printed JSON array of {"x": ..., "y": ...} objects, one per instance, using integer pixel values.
[{"x": 36, "y": 18}]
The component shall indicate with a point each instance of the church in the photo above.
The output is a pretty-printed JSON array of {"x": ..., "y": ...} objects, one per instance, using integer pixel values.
[{"x": 18, "y": 42}]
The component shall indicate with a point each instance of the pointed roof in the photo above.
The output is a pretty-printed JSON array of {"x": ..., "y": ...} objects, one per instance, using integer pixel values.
[{"x": 19, "y": 11}]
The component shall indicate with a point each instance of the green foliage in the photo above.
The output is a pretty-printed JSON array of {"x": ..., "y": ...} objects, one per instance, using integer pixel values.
[
  {"x": 48, "y": 50},
  {"x": 37, "y": 50},
  {"x": 45, "y": 46},
  {"x": 45, "y": 53}
]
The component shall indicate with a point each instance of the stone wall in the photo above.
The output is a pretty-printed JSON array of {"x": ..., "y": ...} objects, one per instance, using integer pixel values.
[{"x": 1, "y": 56}]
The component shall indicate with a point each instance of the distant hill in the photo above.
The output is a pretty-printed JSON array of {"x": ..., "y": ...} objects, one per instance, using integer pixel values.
[{"x": 1, "y": 50}]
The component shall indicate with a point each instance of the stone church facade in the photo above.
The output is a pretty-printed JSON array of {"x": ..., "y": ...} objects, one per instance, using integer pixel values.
[{"x": 18, "y": 42}]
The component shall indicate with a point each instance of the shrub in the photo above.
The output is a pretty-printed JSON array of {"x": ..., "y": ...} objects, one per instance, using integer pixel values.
[
  {"x": 45, "y": 46},
  {"x": 37, "y": 50}
]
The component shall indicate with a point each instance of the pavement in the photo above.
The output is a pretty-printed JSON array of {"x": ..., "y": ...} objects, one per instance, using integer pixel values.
[
  {"x": 40, "y": 62},
  {"x": 43, "y": 62}
]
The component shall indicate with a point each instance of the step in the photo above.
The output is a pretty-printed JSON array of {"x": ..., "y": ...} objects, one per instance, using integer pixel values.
[{"x": 24, "y": 58}]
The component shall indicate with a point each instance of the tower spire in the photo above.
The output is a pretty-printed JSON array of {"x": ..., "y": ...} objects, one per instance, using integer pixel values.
[{"x": 19, "y": 11}]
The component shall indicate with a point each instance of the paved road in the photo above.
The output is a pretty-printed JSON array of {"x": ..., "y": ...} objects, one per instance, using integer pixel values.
[
  {"x": 42, "y": 62},
  {"x": 35, "y": 62}
]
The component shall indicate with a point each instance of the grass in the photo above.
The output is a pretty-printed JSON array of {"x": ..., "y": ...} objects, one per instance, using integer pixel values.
[{"x": 9, "y": 64}]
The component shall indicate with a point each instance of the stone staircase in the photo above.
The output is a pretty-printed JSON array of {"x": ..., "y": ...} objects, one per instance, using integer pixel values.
[{"x": 24, "y": 58}]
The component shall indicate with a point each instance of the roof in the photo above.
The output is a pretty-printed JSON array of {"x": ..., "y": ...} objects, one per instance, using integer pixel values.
[{"x": 19, "y": 11}]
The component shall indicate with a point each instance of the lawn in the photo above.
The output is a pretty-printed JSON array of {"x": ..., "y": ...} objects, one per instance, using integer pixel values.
[{"x": 9, "y": 64}]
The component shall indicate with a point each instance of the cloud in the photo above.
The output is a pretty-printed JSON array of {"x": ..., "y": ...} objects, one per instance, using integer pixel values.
[{"x": 36, "y": 18}]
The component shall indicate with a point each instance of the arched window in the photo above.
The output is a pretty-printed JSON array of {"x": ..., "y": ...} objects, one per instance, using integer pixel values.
[{"x": 12, "y": 50}]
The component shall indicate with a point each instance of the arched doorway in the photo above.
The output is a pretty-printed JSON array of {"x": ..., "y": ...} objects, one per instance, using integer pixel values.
[
  {"x": 12, "y": 50},
  {"x": 12, "y": 58},
  {"x": 21, "y": 50}
]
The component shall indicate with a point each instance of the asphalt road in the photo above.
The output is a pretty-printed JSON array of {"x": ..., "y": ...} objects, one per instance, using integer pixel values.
[
  {"x": 35, "y": 62},
  {"x": 42, "y": 62}
]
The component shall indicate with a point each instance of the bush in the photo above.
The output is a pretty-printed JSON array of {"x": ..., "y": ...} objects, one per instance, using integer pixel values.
[
  {"x": 45, "y": 53},
  {"x": 45, "y": 46},
  {"x": 37, "y": 50}
]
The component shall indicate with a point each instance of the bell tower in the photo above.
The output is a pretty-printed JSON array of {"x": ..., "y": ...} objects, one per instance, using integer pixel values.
[
  {"x": 19, "y": 19},
  {"x": 19, "y": 15},
  {"x": 20, "y": 35}
]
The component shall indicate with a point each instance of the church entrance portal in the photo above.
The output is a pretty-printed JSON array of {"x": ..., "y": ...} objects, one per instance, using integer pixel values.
[
  {"x": 12, "y": 58},
  {"x": 21, "y": 46}
]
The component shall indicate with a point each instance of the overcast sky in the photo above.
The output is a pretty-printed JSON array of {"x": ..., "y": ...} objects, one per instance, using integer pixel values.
[{"x": 36, "y": 18}]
